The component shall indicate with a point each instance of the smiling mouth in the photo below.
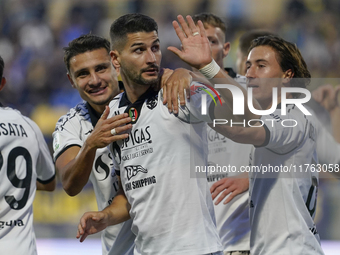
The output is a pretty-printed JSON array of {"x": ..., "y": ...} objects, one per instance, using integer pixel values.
[{"x": 97, "y": 90}]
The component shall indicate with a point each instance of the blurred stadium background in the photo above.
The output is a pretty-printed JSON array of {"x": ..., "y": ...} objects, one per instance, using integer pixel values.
[{"x": 33, "y": 33}]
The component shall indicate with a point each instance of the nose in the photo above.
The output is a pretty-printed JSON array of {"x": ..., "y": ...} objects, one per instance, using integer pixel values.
[
  {"x": 250, "y": 73},
  {"x": 151, "y": 57},
  {"x": 94, "y": 79}
]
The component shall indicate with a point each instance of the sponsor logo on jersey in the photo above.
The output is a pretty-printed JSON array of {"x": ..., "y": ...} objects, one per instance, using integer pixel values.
[
  {"x": 132, "y": 170},
  {"x": 100, "y": 166},
  {"x": 56, "y": 141},
  {"x": 151, "y": 103},
  {"x": 137, "y": 137},
  {"x": 11, "y": 223},
  {"x": 133, "y": 114}
]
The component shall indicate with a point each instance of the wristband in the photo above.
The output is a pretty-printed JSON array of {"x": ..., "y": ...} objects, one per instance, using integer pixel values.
[{"x": 210, "y": 70}]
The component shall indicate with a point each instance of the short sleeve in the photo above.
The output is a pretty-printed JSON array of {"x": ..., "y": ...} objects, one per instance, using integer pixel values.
[
  {"x": 45, "y": 167},
  {"x": 284, "y": 133},
  {"x": 66, "y": 134}
]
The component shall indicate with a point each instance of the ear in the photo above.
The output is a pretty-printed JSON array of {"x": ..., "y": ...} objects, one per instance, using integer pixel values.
[
  {"x": 226, "y": 48},
  {"x": 3, "y": 82},
  {"x": 287, "y": 76},
  {"x": 115, "y": 59},
  {"x": 70, "y": 79}
]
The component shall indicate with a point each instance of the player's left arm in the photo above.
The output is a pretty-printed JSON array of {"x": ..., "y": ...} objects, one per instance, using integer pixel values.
[
  {"x": 50, "y": 186},
  {"x": 246, "y": 135},
  {"x": 176, "y": 85}
]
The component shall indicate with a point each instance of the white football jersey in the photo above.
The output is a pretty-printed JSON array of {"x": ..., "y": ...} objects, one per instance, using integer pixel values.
[
  {"x": 24, "y": 159},
  {"x": 232, "y": 219},
  {"x": 73, "y": 129},
  {"x": 171, "y": 207},
  {"x": 282, "y": 192}
]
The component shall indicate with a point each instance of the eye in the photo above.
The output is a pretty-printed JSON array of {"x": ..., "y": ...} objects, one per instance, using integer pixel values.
[
  {"x": 247, "y": 67},
  {"x": 82, "y": 74},
  {"x": 261, "y": 66},
  {"x": 155, "y": 48},
  {"x": 101, "y": 68},
  {"x": 213, "y": 42},
  {"x": 138, "y": 50}
]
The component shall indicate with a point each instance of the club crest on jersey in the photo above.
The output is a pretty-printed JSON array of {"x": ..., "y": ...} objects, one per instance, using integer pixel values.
[
  {"x": 133, "y": 114},
  {"x": 151, "y": 102},
  {"x": 132, "y": 171}
]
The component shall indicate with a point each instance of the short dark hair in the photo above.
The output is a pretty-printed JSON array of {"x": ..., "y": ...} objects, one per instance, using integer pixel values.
[
  {"x": 82, "y": 44},
  {"x": 288, "y": 56},
  {"x": 128, "y": 24},
  {"x": 212, "y": 20},
  {"x": 2, "y": 66},
  {"x": 248, "y": 37}
]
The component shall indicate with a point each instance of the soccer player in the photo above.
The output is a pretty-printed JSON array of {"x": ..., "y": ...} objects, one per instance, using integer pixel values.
[
  {"x": 171, "y": 208},
  {"x": 25, "y": 166},
  {"x": 243, "y": 48},
  {"x": 327, "y": 145},
  {"x": 81, "y": 136},
  {"x": 282, "y": 204},
  {"x": 232, "y": 216}
]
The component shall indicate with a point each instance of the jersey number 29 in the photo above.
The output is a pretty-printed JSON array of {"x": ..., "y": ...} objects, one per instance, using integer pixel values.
[{"x": 24, "y": 183}]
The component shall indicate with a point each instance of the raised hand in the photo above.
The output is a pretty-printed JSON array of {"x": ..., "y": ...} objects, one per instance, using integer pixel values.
[{"x": 196, "y": 49}]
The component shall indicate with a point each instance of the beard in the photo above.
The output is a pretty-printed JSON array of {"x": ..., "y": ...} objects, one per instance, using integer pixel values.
[{"x": 137, "y": 77}]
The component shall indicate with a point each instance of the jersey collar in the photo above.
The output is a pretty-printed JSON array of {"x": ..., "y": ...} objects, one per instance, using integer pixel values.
[
  {"x": 94, "y": 116},
  {"x": 148, "y": 94},
  {"x": 230, "y": 72}
]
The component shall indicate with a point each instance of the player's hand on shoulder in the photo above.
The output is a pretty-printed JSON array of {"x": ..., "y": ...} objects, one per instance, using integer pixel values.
[
  {"x": 174, "y": 86},
  {"x": 91, "y": 223},
  {"x": 195, "y": 49},
  {"x": 108, "y": 130},
  {"x": 231, "y": 186}
]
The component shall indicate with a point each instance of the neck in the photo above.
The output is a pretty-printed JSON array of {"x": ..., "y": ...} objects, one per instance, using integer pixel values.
[
  {"x": 98, "y": 108},
  {"x": 133, "y": 90}
]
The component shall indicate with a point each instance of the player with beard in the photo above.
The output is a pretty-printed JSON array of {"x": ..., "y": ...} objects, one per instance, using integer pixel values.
[
  {"x": 81, "y": 136},
  {"x": 171, "y": 208}
]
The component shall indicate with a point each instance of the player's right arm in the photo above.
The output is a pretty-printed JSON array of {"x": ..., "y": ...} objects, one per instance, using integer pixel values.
[
  {"x": 75, "y": 163},
  {"x": 94, "y": 222},
  {"x": 196, "y": 52}
]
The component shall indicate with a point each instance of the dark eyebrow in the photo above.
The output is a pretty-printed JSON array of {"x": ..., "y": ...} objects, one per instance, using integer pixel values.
[
  {"x": 141, "y": 44},
  {"x": 106, "y": 64},
  {"x": 257, "y": 61},
  {"x": 79, "y": 71}
]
